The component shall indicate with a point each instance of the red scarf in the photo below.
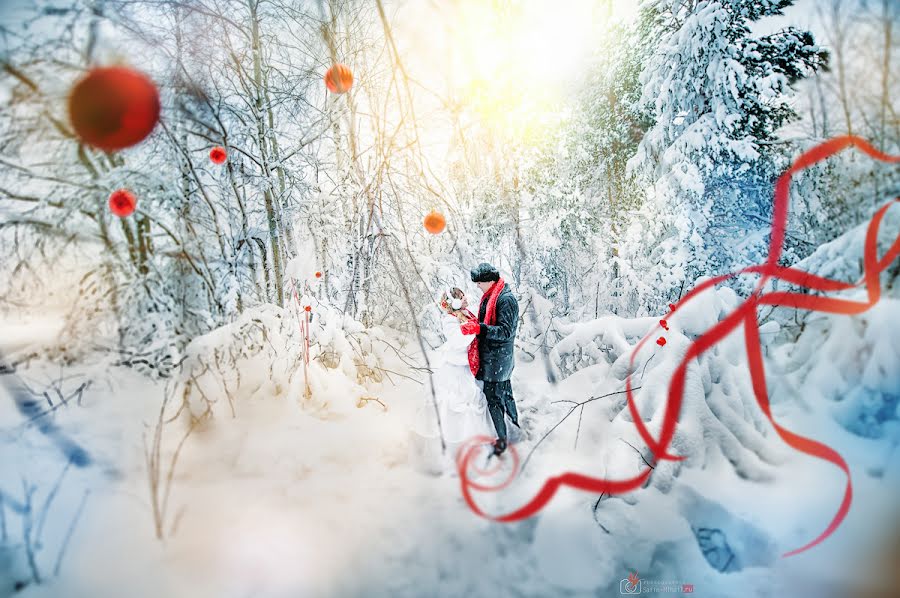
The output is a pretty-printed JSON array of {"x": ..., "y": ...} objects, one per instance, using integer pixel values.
[
  {"x": 490, "y": 318},
  {"x": 474, "y": 359}
]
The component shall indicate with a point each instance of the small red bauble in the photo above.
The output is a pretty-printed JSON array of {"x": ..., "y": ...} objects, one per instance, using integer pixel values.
[
  {"x": 339, "y": 79},
  {"x": 664, "y": 324},
  {"x": 308, "y": 308},
  {"x": 122, "y": 203},
  {"x": 114, "y": 108},
  {"x": 671, "y": 307},
  {"x": 660, "y": 341},
  {"x": 218, "y": 155},
  {"x": 435, "y": 222},
  {"x": 318, "y": 275}
]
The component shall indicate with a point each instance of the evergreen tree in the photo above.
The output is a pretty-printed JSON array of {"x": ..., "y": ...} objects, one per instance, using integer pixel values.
[{"x": 716, "y": 96}]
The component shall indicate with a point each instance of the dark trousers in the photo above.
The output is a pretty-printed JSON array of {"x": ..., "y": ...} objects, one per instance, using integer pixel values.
[{"x": 500, "y": 401}]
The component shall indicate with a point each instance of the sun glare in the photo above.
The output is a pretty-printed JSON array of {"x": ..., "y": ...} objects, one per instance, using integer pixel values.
[{"x": 514, "y": 62}]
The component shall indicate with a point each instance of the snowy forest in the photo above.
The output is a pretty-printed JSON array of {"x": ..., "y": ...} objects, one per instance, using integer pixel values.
[{"x": 215, "y": 337}]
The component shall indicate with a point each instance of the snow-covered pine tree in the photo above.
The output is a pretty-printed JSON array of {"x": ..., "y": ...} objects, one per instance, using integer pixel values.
[
  {"x": 716, "y": 95},
  {"x": 608, "y": 126}
]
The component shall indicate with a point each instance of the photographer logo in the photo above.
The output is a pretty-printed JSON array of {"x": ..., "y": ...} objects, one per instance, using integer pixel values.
[{"x": 630, "y": 585}]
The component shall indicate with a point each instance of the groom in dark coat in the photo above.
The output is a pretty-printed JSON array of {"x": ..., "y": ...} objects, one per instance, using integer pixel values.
[{"x": 498, "y": 318}]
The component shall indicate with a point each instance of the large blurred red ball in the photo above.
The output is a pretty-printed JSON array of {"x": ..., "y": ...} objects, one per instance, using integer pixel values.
[
  {"x": 435, "y": 222},
  {"x": 218, "y": 155},
  {"x": 339, "y": 79},
  {"x": 122, "y": 203},
  {"x": 113, "y": 108}
]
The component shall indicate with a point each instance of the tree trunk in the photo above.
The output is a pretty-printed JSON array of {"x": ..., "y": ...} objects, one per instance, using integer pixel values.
[{"x": 277, "y": 274}]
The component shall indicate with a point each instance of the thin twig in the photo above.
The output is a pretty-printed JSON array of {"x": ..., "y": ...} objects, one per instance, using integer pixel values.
[
  {"x": 594, "y": 511},
  {"x": 27, "y": 531},
  {"x": 65, "y": 543},
  {"x": 367, "y": 399},
  {"x": 578, "y": 429},
  {"x": 48, "y": 501},
  {"x": 577, "y": 403},
  {"x": 638, "y": 452},
  {"x": 645, "y": 366}
]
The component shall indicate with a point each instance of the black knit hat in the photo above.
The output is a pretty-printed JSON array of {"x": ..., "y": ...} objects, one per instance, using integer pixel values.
[{"x": 485, "y": 272}]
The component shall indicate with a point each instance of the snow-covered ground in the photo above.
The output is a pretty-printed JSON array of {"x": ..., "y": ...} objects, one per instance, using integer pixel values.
[{"x": 280, "y": 495}]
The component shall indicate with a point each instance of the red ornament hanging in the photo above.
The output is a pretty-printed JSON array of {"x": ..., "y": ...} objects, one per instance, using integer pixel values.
[
  {"x": 435, "y": 222},
  {"x": 218, "y": 155},
  {"x": 114, "y": 108},
  {"x": 660, "y": 341},
  {"x": 308, "y": 308},
  {"x": 339, "y": 79},
  {"x": 664, "y": 324},
  {"x": 671, "y": 307},
  {"x": 122, "y": 203},
  {"x": 318, "y": 275}
]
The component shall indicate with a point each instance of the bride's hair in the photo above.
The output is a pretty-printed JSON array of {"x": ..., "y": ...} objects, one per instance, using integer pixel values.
[{"x": 451, "y": 303}]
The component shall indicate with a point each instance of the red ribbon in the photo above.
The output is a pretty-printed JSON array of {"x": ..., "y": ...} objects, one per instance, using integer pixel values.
[{"x": 744, "y": 315}]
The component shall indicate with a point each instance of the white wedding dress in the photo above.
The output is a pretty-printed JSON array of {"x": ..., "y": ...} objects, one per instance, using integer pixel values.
[{"x": 460, "y": 403}]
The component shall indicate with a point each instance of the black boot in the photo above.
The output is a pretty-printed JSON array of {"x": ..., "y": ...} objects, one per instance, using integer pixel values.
[{"x": 499, "y": 446}]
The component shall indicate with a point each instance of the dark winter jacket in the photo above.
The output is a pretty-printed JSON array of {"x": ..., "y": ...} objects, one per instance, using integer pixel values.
[{"x": 495, "y": 343}]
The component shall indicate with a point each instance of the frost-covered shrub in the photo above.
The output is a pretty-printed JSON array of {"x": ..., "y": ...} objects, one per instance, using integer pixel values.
[{"x": 260, "y": 356}]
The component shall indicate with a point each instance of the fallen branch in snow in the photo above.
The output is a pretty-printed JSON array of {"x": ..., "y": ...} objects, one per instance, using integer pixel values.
[
  {"x": 579, "y": 403},
  {"x": 572, "y": 410}
]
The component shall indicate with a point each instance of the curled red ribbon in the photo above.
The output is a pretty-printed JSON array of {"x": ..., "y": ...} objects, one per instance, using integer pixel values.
[{"x": 744, "y": 315}]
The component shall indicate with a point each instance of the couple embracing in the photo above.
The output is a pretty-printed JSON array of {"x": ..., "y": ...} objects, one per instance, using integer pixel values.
[{"x": 473, "y": 392}]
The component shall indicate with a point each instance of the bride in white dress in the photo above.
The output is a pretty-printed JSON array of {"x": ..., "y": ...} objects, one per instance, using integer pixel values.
[{"x": 458, "y": 395}]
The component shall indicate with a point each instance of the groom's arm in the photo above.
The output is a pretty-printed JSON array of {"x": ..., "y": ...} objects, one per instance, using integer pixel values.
[{"x": 507, "y": 319}]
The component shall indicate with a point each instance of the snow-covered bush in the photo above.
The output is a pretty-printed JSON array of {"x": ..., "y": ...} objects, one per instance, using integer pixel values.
[
  {"x": 261, "y": 356},
  {"x": 849, "y": 362}
]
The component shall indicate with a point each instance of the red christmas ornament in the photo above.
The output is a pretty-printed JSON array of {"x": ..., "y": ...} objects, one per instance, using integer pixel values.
[
  {"x": 339, "y": 79},
  {"x": 660, "y": 341},
  {"x": 435, "y": 222},
  {"x": 664, "y": 324},
  {"x": 114, "y": 108},
  {"x": 122, "y": 203},
  {"x": 318, "y": 275},
  {"x": 218, "y": 155},
  {"x": 308, "y": 308},
  {"x": 671, "y": 307}
]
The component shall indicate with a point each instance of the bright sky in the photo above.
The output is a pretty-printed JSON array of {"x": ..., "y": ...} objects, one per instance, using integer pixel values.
[{"x": 509, "y": 61}]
